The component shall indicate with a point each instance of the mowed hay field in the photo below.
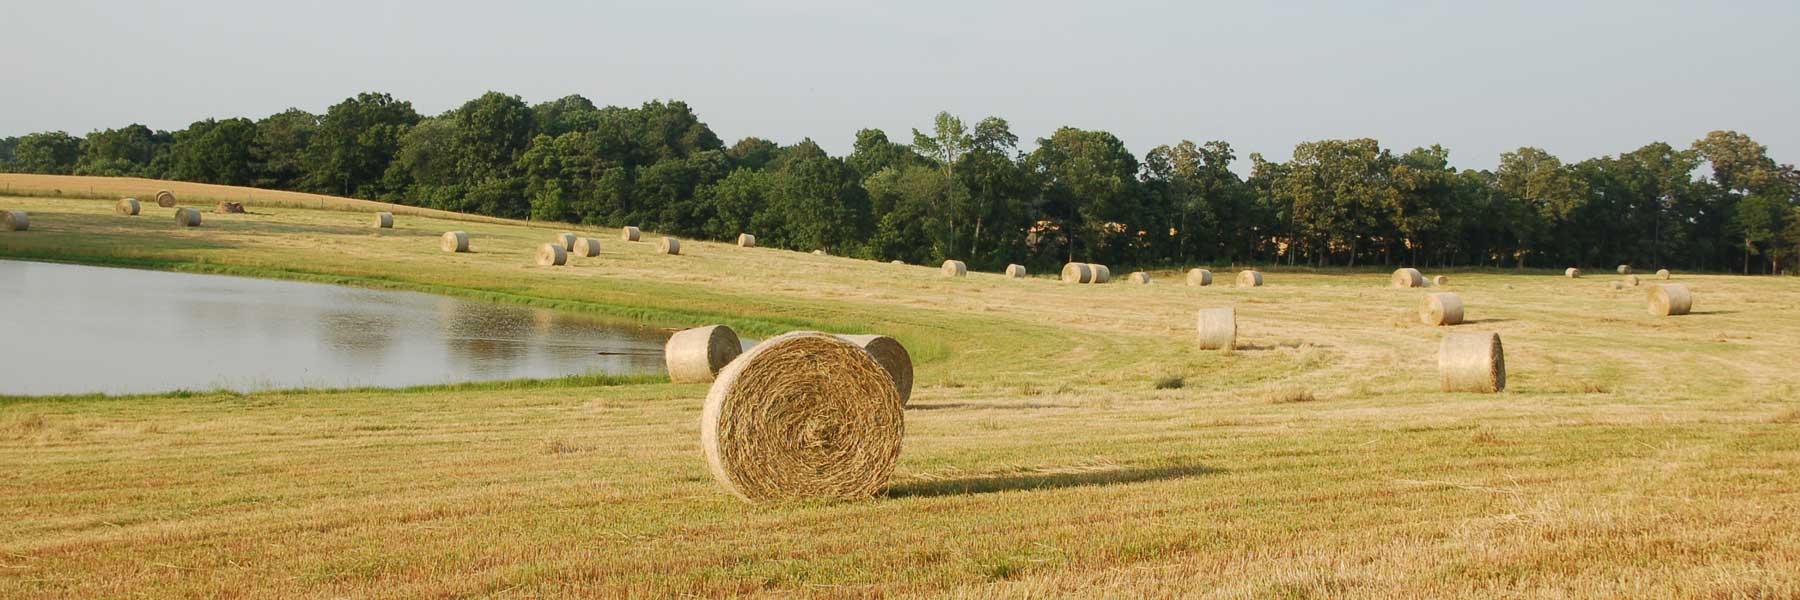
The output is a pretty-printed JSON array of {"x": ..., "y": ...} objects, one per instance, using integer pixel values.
[{"x": 1062, "y": 440}]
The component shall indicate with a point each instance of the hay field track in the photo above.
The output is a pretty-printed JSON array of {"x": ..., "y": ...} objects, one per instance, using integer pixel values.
[{"x": 1049, "y": 452}]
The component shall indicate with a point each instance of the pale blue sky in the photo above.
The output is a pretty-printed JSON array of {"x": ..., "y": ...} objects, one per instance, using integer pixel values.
[{"x": 1580, "y": 79}]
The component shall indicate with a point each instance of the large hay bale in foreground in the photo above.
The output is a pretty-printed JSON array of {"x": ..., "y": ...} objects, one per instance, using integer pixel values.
[
  {"x": 1218, "y": 328},
  {"x": 1572, "y": 273},
  {"x": 1249, "y": 279},
  {"x": 668, "y": 245},
  {"x": 893, "y": 358},
  {"x": 803, "y": 415},
  {"x": 1443, "y": 308},
  {"x": 1670, "y": 299},
  {"x": 1140, "y": 277},
  {"x": 551, "y": 255},
  {"x": 1624, "y": 269},
  {"x": 1199, "y": 277},
  {"x": 14, "y": 220},
  {"x": 696, "y": 355},
  {"x": 1472, "y": 362},
  {"x": 128, "y": 207},
  {"x": 187, "y": 217},
  {"x": 165, "y": 199},
  {"x": 1440, "y": 281},
  {"x": 954, "y": 268},
  {"x": 384, "y": 220},
  {"x": 630, "y": 234},
  {"x": 454, "y": 241},
  {"x": 1662, "y": 274},
  {"x": 1078, "y": 273},
  {"x": 746, "y": 240},
  {"x": 587, "y": 247},
  {"x": 1102, "y": 273},
  {"x": 566, "y": 240},
  {"x": 1408, "y": 278},
  {"x": 1015, "y": 271}
]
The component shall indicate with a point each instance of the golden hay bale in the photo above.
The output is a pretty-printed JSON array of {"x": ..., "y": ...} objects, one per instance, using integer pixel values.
[
  {"x": 128, "y": 207},
  {"x": 1472, "y": 362},
  {"x": 954, "y": 268},
  {"x": 1140, "y": 277},
  {"x": 384, "y": 220},
  {"x": 746, "y": 240},
  {"x": 1249, "y": 279},
  {"x": 165, "y": 199},
  {"x": 1662, "y": 274},
  {"x": 898, "y": 262},
  {"x": 696, "y": 355},
  {"x": 1078, "y": 273},
  {"x": 187, "y": 217},
  {"x": 1102, "y": 273},
  {"x": 1572, "y": 273},
  {"x": 1199, "y": 277},
  {"x": 1015, "y": 271},
  {"x": 803, "y": 415},
  {"x": 229, "y": 208},
  {"x": 1218, "y": 328},
  {"x": 552, "y": 254},
  {"x": 454, "y": 241},
  {"x": 892, "y": 357},
  {"x": 1670, "y": 299},
  {"x": 818, "y": 253},
  {"x": 1443, "y": 308},
  {"x": 668, "y": 245},
  {"x": 1408, "y": 278},
  {"x": 1632, "y": 280},
  {"x": 1440, "y": 281},
  {"x": 14, "y": 220},
  {"x": 630, "y": 234},
  {"x": 587, "y": 247},
  {"x": 1624, "y": 269},
  {"x": 566, "y": 240}
]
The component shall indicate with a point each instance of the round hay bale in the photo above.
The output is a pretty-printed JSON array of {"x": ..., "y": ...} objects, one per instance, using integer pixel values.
[
  {"x": 1249, "y": 279},
  {"x": 1442, "y": 308},
  {"x": 818, "y": 253},
  {"x": 14, "y": 220},
  {"x": 696, "y": 355},
  {"x": 128, "y": 207},
  {"x": 187, "y": 217},
  {"x": 803, "y": 415},
  {"x": 892, "y": 357},
  {"x": 1440, "y": 281},
  {"x": 1572, "y": 273},
  {"x": 587, "y": 247},
  {"x": 1624, "y": 269},
  {"x": 1408, "y": 278},
  {"x": 566, "y": 240},
  {"x": 668, "y": 245},
  {"x": 1199, "y": 277},
  {"x": 165, "y": 199},
  {"x": 1140, "y": 278},
  {"x": 454, "y": 241},
  {"x": 630, "y": 234},
  {"x": 1015, "y": 271},
  {"x": 1662, "y": 274},
  {"x": 1218, "y": 328},
  {"x": 1632, "y": 280},
  {"x": 229, "y": 208},
  {"x": 1078, "y": 273},
  {"x": 1670, "y": 299},
  {"x": 746, "y": 240},
  {"x": 1102, "y": 273},
  {"x": 954, "y": 268},
  {"x": 1472, "y": 362},
  {"x": 551, "y": 255},
  {"x": 898, "y": 262},
  {"x": 384, "y": 220}
]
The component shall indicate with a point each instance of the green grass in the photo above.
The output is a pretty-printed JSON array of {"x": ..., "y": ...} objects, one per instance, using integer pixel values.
[{"x": 1049, "y": 449}]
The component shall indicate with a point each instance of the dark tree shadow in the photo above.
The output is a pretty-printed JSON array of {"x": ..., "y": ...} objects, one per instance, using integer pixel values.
[
  {"x": 998, "y": 406},
  {"x": 1474, "y": 321},
  {"x": 1043, "y": 481}
]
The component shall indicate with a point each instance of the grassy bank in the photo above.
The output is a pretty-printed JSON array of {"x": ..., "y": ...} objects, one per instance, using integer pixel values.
[{"x": 1063, "y": 440}]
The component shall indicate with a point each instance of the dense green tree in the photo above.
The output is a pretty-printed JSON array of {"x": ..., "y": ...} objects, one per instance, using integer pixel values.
[
  {"x": 1090, "y": 186},
  {"x": 355, "y": 141},
  {"x": 52, "y": 152},
  {"x": 125, "y": 152},
  {"x": 280, "y": 148},
  {"x": 215, "y": 152}
]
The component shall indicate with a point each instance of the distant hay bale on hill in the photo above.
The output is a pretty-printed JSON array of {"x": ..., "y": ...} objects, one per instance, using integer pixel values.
[
  {"x": 1249, "y": 279},
  {"x": 1440, "y": 281},
  {"x": 566, "y": 240},
  {"x": 14, "y": 220},
  {"x": 128, "y": 207},
  {"x": 229, "y": 208},
  {"x": 696, "y": 355},
  {"x": 1077, "y": 273},
  {"x": 384, "y": 220},
  {"x": 1572, "y": 273},
  {"x": 802, "y": 416},
  {"x": 818, "y": 253},
  {"x": 1632, "y": 280},
  {"x": 669, "y": 245},
  {"x": 454, "y": 241},
  {"x": 954, "y": 268},
  {"x": 746, "y": 240},
  {"x": 1443, "y": 308},
  {"x": 187, "y": 217},
  {"x": 1472, "y": 362},
  {"x": 551, "y": 255},
  {"x": 1199, "y": 277},
  {"x": 898, "y": 262},
  {"x": 1624, "y": 269},
  {"x": 1101, "y": 273},
  {"x": 1670, "y": 299},
  {"x": 165, "y": 199},
  {"x": 893, "y": 358},
  {"x": 587, "y": 247},
  {"x": 1015, "y": 271},
  {"x": 1408, "y": 278},
  {"x": 1218, "y": 328},
  {"x": 1140, "y": 277},
  {"x": 630, "y": 234},
  {"x": 1662, "y": 274}
]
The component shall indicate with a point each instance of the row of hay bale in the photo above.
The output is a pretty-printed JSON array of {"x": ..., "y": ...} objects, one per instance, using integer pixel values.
[
  {"x": 1409, "y": 277},
  {"x": 1575, "y": 273},
  {"x": 1467, "y": 362}
]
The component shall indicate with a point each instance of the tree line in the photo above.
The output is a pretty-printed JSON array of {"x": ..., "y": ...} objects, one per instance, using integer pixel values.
[{"x": 970, "y": 192}]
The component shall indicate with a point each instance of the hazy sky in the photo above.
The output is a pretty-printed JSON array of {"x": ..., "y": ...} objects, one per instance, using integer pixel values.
[{"x": 1580, "y": 79}]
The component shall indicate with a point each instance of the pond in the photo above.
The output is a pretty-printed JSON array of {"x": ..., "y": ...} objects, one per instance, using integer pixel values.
[{"x": 68, "y": 329}]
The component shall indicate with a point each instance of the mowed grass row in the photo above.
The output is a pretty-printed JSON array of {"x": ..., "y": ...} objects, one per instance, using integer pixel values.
[{"x": 1063, "y": 439}]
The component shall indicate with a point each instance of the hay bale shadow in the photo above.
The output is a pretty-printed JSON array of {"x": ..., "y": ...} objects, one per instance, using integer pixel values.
[{"x": 1045, "y": 481}]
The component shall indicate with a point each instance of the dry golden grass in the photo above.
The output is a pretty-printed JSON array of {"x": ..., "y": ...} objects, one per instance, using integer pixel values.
[{"x": 1045, "y": 455}]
